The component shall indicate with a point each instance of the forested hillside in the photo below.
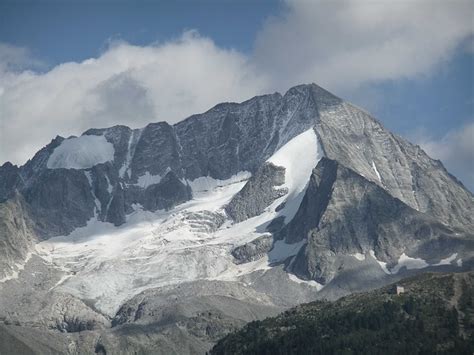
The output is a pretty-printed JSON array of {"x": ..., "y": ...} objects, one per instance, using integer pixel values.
[{"x": 434, "y": 315}]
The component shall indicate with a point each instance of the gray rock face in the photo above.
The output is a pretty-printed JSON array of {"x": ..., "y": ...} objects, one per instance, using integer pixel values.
[
  {"x": 228, "y": 138},
  {"x": 358, "y": 141},
  {"x": 258, "y": 193},
  {"x": 29, "y": 341},
  {"x": 41, "y": 306},
  {"x": 60, "y": 201},
  {"x": 343, "y": 213},
  {"x": 70, "y": 315},
  {"x": 10, "y": 180},
  {"x": 17, "y": 236},
  {"x": 169, "y": 192},
  {"x": 253, "y": 250},
  {"x": 173, "y": 304},
  {"x": 156, "y": 137}
]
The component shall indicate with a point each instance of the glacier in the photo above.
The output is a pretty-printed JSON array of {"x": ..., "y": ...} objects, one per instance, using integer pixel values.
[
  {"x": 112, "y": 264},
  {"x": 81, "y": 153}
]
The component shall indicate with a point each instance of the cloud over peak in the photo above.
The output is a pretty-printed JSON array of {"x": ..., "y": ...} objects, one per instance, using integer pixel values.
[
  {"x": 338, "y": 44},
  {"x": 342, "y": 44},
  {"x": 127, "y": 84}
]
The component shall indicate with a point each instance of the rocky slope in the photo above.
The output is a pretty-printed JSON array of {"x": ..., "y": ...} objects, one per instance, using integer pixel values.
[
  {"x": 17, "y": 236},
  {"x": 152, "y": 238},
  {"x": 344, "y": 214}
]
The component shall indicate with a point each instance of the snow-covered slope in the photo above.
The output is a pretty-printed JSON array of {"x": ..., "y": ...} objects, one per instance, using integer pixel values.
[
  {"x": 81, "y": 153},
  {"x": 192, "y": 241},
  {"x": 299, "y": 157}
]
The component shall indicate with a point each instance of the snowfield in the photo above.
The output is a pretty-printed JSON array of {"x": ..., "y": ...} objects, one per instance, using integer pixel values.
[
  {"x": 193, "y": 241},
  {"x": 297, "y": 170},
  {"x": 81, "y": 153}
]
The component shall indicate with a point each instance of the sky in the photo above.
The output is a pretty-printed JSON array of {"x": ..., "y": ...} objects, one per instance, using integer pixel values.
[{"x": 66, "y": 66}]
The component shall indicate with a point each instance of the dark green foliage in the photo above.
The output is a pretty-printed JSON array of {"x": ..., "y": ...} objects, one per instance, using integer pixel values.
[
  {"x": 421, "y": 321},
  {"x": 466, "y": 305}
]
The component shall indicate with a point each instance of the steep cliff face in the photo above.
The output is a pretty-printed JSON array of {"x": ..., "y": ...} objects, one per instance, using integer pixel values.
[
  {"x": 343, "y": 213},
  {"x": 258, "y": 193},
  {"x": 358, "y": 141},
  {"x": 17, "y": 236}
]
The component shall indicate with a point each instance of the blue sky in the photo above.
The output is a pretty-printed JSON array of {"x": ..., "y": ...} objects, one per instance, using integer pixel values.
[
  {"x": 411, "y": 65},
  {"x": 62, "y": 31}
]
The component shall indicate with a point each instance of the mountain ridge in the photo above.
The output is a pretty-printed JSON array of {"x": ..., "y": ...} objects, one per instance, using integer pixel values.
[{"x": 279, "y": 200}]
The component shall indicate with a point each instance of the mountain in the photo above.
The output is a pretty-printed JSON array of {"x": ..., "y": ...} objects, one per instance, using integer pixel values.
[
  {"x": 156, "y": 239},
  {"x": 343, "y": 214},
  {"x": 434, "y": 314}
]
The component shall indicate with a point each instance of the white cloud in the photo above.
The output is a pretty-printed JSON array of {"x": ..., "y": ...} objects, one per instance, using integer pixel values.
[
  {"x": 337, "y": 44},
  {"x": 125, "y": 85},
  {"x": 455, "y": 150},
  {"x": 343, "y": 44}
]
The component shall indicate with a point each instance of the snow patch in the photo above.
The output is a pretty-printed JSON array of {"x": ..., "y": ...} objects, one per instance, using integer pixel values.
[
  {"x": 311, "y": 283},
  {"x": 448, "y": 260},
  {"x": 299, "y": 157},
  {"x": 382, "y": 264},
  {"x": 359, "y": 256},
  {"x": 414, "y": 263},
  {"x": 409, "y": 263},
  {"x": 205, "y": 184},
  {"x": 147, "y": 180},
  {"x": 376, "y": 171},
  {"x": 61, "y": 280},
  {"x": 81, "y": 153},
  {"x": 110, "y": 188},
  {"x": 98, "y": 205},
  {"x": 132, "y": 144}
]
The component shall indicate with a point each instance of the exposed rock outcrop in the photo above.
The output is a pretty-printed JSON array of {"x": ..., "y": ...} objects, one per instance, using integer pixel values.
[
  {"x": 17, "y": 235},
  {"x": 343, "y": 213},
  {"x": 253, "y": 250},
  {"x": 258, "y": 193}
]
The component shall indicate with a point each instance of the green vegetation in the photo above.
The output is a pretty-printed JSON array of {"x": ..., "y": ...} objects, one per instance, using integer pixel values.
[{"x": 434, "y": 316}]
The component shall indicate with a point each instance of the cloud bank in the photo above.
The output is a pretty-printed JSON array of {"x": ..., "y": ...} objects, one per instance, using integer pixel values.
[
  {"x": 340, "y": 45},
  {"x": 127, "y": 84}
]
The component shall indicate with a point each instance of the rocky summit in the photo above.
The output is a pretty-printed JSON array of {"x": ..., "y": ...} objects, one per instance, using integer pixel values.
[{"x": 164, "y": 239}]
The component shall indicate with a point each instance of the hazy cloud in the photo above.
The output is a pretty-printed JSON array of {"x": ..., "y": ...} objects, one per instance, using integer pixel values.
[{"x": 14, "y": 59}]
